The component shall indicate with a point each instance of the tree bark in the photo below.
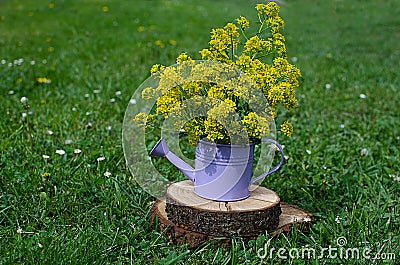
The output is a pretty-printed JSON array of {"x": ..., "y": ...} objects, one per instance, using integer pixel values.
[{"x": 291, "y": 216}]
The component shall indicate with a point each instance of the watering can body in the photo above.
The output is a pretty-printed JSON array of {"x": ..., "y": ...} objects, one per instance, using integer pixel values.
[{"x": 222, "y": 172}]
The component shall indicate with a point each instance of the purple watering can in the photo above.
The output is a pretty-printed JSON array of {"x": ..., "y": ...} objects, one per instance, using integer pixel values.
[{"x": 222, "y": 172}]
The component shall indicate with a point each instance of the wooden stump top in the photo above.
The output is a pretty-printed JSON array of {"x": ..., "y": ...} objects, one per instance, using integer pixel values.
[{"x": 260, "y": 199}]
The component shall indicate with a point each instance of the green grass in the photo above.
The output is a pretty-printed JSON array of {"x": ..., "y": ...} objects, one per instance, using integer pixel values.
[{"x": 63, "y": 209}]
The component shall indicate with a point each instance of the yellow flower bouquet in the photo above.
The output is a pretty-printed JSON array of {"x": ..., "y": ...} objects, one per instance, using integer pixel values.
[{"x": 262, "y": 57}]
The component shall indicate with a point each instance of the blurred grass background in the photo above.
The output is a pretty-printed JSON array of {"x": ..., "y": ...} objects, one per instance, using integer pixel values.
[{"x": 77, "y": 208}]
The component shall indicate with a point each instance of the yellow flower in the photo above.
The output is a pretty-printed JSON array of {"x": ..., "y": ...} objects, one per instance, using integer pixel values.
[
  {"x": 105, "y": 8},
  {"x": 271, "y": 9},
  {"x": 230, "y": 103},
  {"x": 256, "y": 126},
  {"x": 148, "y": 93},
  {"x": 276, "y": 23},
  {"x": 278, "y": 36},
  {"x": 280, "y": 48},
  {"x": 43, "y": 80},
  {"x": 159, "y": 43},
  {"x": 255, "y": 45},
  {"x": 169, "y": 101},
  {"x": 205, "y": 54},
  {"x": 291, "y": 103},
  {"x": 244, "y": 62},
  {"x": 169, "y": 78},
  {"x": 262, "y": 57},
  {"x": 193, "y": 89},
  {"x": 220, "y": 40},
  {"x": 195, "y": 130},
  {"x": 287, "y": 128},
  {"x": 218, "y": 92},
  {"x": 281, "y": 64},
  {"x": 183, "y": 57},
  {"x": 231, "y": 29},
  {"x": 215, "y": 131},
  {"x": 222, "y": 124},
  {"x": 142, "y": 118},
  {"x": 155, "y": 68},
  {"x": 223, "y": 40},
  {"x": 243, "y": 22}
]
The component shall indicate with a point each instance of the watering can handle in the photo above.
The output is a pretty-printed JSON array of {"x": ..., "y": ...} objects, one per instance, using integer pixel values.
[{"x": 275, "y": 168}]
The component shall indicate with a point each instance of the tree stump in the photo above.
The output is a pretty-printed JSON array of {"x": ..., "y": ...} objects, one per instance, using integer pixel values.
[
  {"x": 249, "y": 217},
  {"x": 291, "y": 216}
]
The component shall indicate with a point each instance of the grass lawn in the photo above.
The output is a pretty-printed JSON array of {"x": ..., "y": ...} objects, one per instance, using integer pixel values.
[{"x": 66, "y": 195}]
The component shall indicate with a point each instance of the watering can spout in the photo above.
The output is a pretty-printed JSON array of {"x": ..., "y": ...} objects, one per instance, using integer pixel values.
[{"x": 161, "y": 149}]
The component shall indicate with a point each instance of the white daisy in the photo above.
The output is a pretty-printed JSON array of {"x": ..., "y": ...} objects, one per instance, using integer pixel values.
[
  {"x": 24, "y": 100},
  {"x": 60, "y": 152}
]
